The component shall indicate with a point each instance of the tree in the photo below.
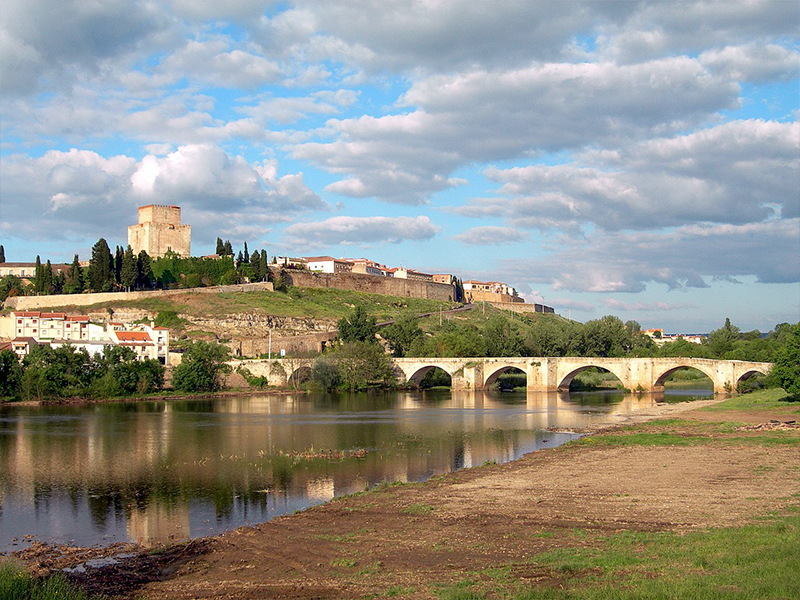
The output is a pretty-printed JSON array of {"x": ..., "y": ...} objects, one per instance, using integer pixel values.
[
  {"x": 502, "y": 338},
  {"x": 359, "y": 327},
  {"x": 227, "y": 248},
  {"x": 358, "y": 364},
  {"x": 786, "y": 371},
  {"x": 401, "y": 334},
  {"x": 246, "y": 254},
  {"x": 119, "y": 256},
  {"x": 10, "y": 374},
  {"x": 144, "y": 271},
  {"x": 101, "y": 267},
  {"x": 38, "y": 276},
  {"x": 127, "y": 275},
  {"x": 2, "y": 254},
  {"x": 220, "y": 247},
  {"x": 73, "y": 284},
  {"x": 256, "y": 267},
  {"x": 720, "y": 341},
  {"x": 11, "y": 286},
  {"x": 202, "y": 367}
]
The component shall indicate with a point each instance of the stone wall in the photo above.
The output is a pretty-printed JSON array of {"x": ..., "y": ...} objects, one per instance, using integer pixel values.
[
  {"x": 40, "y": 302},
  {"x": 523, "y": 308},
  {"x": 372, "y": 284}
]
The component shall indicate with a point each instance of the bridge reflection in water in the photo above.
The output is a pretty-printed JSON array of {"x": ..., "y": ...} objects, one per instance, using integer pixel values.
[{"x": 160, "y": 471}]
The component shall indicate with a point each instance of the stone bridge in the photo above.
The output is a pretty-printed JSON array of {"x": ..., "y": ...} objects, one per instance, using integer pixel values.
[{"x": 543, "y": 374}]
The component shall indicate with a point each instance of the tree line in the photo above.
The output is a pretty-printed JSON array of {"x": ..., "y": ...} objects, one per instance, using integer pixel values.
[
  {"x": 358, "y": 359},
  {"x": 124, "y": 270}
]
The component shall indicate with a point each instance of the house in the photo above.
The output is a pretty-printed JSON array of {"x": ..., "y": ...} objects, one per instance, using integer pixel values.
[
  {"x": 328, "y": 264},
  {"x": 139, "y": 341},
  {"x": 28, "y": 270},
  {"x": 490, "y": 291},
  {"x": 22, "y": 346},
  {"x": 366, "y": 266},
  {"x": 445, "y": 278},
  {"x": 290, "y": 262},
  {"x": 403, "y": 273},
  {"x": 60, "y": 329}
]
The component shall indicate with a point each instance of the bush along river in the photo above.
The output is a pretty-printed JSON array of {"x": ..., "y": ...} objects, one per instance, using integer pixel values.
[{"x": 163, "y": 471}]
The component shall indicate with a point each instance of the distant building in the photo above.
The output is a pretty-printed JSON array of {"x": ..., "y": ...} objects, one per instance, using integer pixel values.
[
  {"x": 446, "y": 278},
  {"x": 402, "y": 273},
  {"x": 28, "y": 270},
  {"x": 328, "y": 264},
  {"x": 490, "y": 291},
  {"x": 160, "y": 231},
  {"x": 60, "y": 329}
]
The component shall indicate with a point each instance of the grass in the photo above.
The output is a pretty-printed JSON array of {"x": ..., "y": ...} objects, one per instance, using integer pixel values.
[
  {"x": 320, "y": 303},
  {"x": 760, "y": 560},
  {"x": 16, "y": 584},
  {"x": 769, "y": 399},
  {"x": 419, "y": 509}
]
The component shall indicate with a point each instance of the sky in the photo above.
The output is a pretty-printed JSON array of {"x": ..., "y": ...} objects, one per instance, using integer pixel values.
[{"x": 633, "y": 158}]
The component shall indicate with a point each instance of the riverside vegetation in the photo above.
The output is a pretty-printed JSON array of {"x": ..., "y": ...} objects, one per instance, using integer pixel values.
[{"x": 359, "y": 360}]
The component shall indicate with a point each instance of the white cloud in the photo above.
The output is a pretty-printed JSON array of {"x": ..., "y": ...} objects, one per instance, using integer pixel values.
[
  {"x": 79, "y": 193},
  {"x": 483, "y": 116},
  {"x": 615, "y": 304},
  {"x": 491, "y": 236},
  {"x": 754, "y": 62},
  {"x": 683, "y": 257},
  {"x": 361, "y": 230},
  {"x": 738, "y": 172},
  {"x": 41, "y": 38}
]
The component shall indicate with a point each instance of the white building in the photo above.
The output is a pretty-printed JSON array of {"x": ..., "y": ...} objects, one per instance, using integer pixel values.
[{"x": 328, "y": 264}]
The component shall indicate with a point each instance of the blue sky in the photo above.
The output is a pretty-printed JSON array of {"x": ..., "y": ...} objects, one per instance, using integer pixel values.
[{"x": 640, "y": 159}]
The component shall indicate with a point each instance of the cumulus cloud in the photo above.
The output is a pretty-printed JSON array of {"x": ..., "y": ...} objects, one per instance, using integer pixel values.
[
  {"x": 490, "y": 235},
  {"x": 361, "y": 230},
  {"x": 216, "y": 62},
  {"x": 47, "y": 37},
  {"x": 62, "y": 193},
  {"x": 738, "y": 172},
  {"x": 753, "y": 62},
  {"x": 481, "y": 116},
  {"x": 682, "y": 257},
  {"x": 615, "y": 304}
]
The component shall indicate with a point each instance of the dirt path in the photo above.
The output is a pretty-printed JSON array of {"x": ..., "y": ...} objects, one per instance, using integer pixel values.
[{"x": 409, "y": 538}]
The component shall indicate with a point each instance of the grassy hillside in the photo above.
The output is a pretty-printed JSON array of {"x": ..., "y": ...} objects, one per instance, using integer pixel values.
[{"x": 315, "y": 303}]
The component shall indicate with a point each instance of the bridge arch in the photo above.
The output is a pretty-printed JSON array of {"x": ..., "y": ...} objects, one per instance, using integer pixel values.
[
  {"x": 747, "y": 375},
  {"x": 492, "y": 377},
  {"x": 661, "y": 379},
  {"x": 299, "y": 375},
  {"x": 416, "y": 377},
  {"x": 567, "y": 379}
]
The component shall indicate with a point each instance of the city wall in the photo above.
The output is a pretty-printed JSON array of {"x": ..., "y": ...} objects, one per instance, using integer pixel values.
[
  {"x": 519, "y": 307},
  {"x": 373, "y": 284},
  {"x": 40, "y": 302}
]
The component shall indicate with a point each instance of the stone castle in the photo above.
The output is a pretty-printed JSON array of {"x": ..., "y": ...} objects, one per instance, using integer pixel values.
[{"x": 159, "y": 231}]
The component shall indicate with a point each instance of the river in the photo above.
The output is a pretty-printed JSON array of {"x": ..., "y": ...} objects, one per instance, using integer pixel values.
[{"x": 164, "y": 471}]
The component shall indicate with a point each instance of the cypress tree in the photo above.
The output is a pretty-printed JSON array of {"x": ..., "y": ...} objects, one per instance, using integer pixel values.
[
  {"x": 128, "y": 272},
  {"x": 220, "y": 247},
  {"x": 256, "y": 266},
  {"x": 101, "y": 267},
  {"x": 47, "y": 278},
  {"x": 74, "y": 281},
  {"x": 144, "y": 271},
  {"x": 2, "y": 254},
  {"x": 119, "y": 255},
  {"x": 228, "y": 248},
  {"x": 246, "y": 255},
  {"x": 38, "y": 276}
]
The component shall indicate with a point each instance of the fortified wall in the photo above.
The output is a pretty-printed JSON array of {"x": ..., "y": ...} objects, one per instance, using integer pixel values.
[{"x": 372, "y": 284}]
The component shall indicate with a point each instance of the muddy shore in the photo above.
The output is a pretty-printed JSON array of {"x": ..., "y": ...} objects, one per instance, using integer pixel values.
[{"x": 412, "y": 537}]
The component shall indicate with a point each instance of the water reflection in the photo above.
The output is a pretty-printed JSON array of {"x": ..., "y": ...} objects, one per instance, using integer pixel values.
[{"x": 161, "y": 471}]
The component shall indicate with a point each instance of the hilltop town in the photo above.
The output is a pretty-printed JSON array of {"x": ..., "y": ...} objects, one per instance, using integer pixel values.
[{"x": 159, "y": 235}]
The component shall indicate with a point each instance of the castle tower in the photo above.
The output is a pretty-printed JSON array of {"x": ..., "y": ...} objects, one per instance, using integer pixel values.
[{"x": 159, "y": 230}]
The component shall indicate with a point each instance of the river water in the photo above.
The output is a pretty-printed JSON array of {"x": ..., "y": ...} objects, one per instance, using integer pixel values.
[{"x": 169, "y": 470}]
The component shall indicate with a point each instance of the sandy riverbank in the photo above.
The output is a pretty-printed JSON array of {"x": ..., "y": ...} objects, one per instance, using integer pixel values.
[{"x": 415, "y": 536}]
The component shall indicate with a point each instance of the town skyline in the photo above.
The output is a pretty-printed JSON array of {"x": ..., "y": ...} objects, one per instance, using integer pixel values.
[{"x": 636, "y": 159}]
